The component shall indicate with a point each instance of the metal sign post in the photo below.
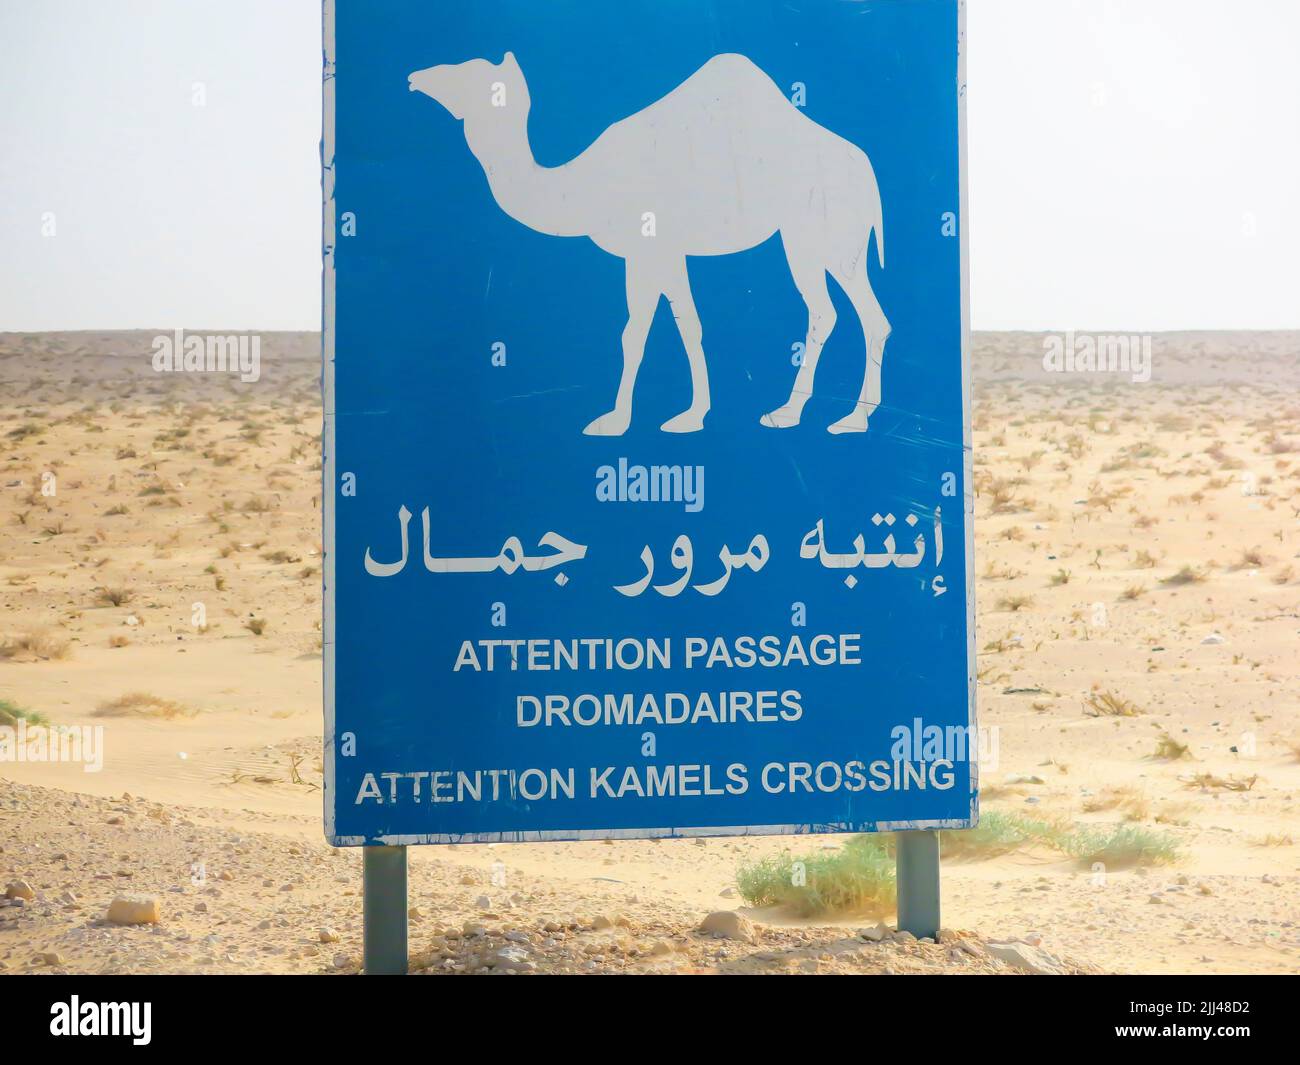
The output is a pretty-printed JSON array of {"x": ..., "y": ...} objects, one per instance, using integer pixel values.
[
  {"x": 384, "y": 907},
  {"x": 918, "y": 883}
]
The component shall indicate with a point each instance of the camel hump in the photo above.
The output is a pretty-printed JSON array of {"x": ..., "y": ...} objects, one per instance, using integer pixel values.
[
  {"x": 730, "y": 72},
  {"x": 732, "y": 62},
  {"x": 729, "y": 93}
]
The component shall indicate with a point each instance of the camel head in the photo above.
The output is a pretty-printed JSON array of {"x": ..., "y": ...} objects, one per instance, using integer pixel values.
[{"x": 477, "y": 90}]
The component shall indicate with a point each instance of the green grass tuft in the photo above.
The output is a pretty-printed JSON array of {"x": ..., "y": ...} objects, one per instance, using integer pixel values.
[
  {"x": 10, "y": 714},
  {"x": 857, "y": 878},
  {"x": 998, "y": 833},
  {"x": 1121, "y": 845}
]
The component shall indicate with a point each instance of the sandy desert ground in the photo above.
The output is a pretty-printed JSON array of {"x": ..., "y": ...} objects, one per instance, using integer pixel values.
[{"x": 1139, "y": 634}]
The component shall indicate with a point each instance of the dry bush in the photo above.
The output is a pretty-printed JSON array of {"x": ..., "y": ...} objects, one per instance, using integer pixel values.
[
  {"x": 1251, "y": 558},
  {"x": 1210, "y": 782},
  {"x": 1186, "y": 575},
  {"x": 142, "y": 704},
  {"x": 1169, "y": 749},
  {"x": 1130, "y": 801},
  {"x": 1108, "y": 704},
  {"x": 39, "y": 644},
  {"x": 994, "y": 572}
]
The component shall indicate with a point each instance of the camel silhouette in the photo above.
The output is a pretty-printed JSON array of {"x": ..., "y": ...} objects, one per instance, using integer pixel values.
[{"x": 716, "y": 166}]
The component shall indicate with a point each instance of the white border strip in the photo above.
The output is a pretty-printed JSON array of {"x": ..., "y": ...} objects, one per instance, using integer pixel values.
[
  {"x": 563, "y": 835},
  {"x": 329, "y": 480},
  {"x": 329, "y": 485},
  {"x": 967, "y": 440}
]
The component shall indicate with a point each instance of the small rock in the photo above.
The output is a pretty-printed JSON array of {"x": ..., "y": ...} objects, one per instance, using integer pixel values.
[
  {"x": 513, "y": 959},
  {"x": 50, "y": 959},
  {"x": 134, "y": 909},
  {"x": 483, "y": 902},
  {"x": 328, "y": 935},
  {"x": 1026, "y": 958},
  {"x": 20, "y": 889},
  {"x": 727, "y": 893},
  {"x": 728, "y": 924},
  {"x": 876, "y": 934},
  {"x": 1214, "y": 637}
]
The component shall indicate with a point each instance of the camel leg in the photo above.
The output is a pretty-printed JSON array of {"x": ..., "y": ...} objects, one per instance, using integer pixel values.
[
  {"x": 677, "y": 287},
  {"x": 810, "y": 279},
  {"x": 875, "y": 331},
  {"x": 643, "y": 292}
]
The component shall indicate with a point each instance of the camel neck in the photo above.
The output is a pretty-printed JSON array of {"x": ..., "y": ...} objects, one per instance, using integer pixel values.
[{"x": 537, "y": 196}]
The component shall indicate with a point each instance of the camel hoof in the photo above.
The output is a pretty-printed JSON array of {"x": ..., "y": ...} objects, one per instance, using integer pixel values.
[
  {"x": 781, "y": 418},
  {"x": 853, "y": 423},
  {"x": 687, "y": 422},
  {"x": 612, "y": 424}
]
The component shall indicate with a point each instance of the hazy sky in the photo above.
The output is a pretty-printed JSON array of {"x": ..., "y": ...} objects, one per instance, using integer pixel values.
[{"x": 1134, "y": 164}]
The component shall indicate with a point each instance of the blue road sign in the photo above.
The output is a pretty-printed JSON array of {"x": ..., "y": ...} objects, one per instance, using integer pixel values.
[{"x": 647, "y": 449}]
